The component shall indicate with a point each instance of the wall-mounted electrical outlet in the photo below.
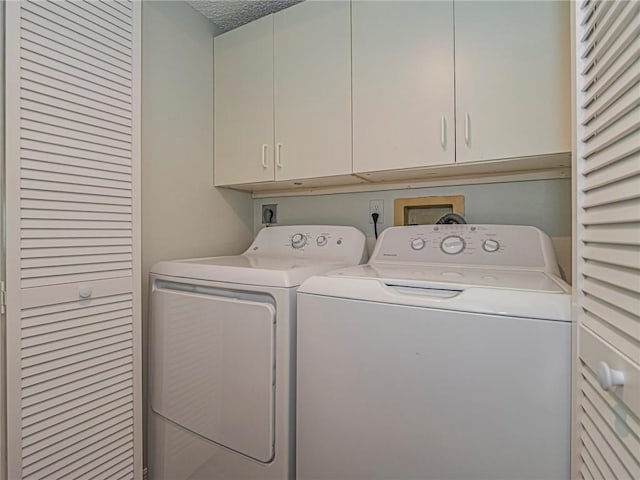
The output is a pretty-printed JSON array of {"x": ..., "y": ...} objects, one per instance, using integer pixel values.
[
  {"x": 376, "y": 206},
  {"x": 269, "y": 214}
]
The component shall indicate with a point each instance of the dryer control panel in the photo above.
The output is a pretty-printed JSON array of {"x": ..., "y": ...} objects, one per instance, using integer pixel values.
[
  {"x": 343, "y": 244},
  {"x": 482, "y": 245}
]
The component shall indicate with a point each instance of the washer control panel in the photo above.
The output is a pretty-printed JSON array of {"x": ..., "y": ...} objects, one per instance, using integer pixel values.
[{"x": 482, "y": 245}]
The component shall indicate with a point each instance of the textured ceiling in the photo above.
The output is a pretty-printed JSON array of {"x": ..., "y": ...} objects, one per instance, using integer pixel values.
[{"x": 229, "y": 14}]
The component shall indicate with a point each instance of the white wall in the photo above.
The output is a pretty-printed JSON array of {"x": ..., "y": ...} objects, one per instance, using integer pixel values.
[
  {"x": 183, "y": 215},
  {"x": 545, "y": 204}
]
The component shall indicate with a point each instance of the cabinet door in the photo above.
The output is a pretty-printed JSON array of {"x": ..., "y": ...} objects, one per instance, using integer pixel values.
[
  {"x": 512, "y": 79},
  {"x": 73, "y": 331},
  {"x": 403, "y": 102},
  {"x": 243, "y": 75},
  {"x": 313, "y": 90}
]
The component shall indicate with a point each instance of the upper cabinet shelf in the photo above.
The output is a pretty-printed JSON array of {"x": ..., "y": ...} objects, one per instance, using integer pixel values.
[{"x": 328, "y": 93}]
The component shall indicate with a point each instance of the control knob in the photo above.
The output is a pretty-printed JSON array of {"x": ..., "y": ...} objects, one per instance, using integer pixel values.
[
  {"x": 298, "y": 240},
  {"x": 321, "y": 241},
  {"x": 417, "y": 244},
  {"x": 452, "y": 245},
  {"x": 490, "y": 246}
]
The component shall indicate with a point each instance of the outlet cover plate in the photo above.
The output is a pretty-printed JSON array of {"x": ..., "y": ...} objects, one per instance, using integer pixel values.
[
  {"x": 267, "y": 217},
  {"x": 376, "y": 206}
]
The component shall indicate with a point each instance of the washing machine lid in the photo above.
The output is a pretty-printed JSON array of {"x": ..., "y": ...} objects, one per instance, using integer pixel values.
[
  {"x": 516, "y": 293},
  {"x": 457, "y": 278},
  {"x": 278, "y": 257}
]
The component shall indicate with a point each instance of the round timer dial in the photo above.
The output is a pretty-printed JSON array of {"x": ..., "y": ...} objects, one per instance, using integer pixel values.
[
  {"x": 298, "y": 240},
  {"x": 452, "y": 245}
]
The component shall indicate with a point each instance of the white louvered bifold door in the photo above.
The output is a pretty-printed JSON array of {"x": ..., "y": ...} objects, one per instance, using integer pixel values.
[
  {"x": 607, "y": 239},
  {"x": 72, "y": 242}
]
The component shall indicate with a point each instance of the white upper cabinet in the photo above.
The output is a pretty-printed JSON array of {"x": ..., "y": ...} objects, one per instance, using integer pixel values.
[
  {"x": 313, "y": 90},
  {"x": 244, "y": 104},
  {"x": 403, "y": 98},
  {"x": 328, "y": 88},
  {"x": 283, "y": 96},
  {"x": 512, "y": 79}
]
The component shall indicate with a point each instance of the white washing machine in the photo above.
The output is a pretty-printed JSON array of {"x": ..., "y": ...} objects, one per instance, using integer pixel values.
[
  {"x": 446, "y": 357},
  {"x": 222, "y": 354}
]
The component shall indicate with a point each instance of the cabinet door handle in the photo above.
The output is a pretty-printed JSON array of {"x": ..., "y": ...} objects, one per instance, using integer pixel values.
[
  {"x": 264, "y": 155},
  {"x": 443, "y": 132},
  {"x": 467, "y": 128},
  {"x": 279, "y": 155}
]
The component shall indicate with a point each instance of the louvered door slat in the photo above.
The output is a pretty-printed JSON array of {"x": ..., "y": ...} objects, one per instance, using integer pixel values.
[
  {"x": 63, "y": 448},
  {"x": 59, "y": 412},
  {"x": 43, "y": 205},
  {"x": 588, "y": 470},
  {"x": 621, "y": 234},
  {"x": 64, "y": 14},
  {"x": 49, "y": 444},
  {"x": 109, "y": 470},
  {"x": 74, "y": 121},
  {"x": 609, "y": 47},
  {"x": 620, "y": 84},
  {"x": 604, "y": 26},
  {"x": 73, "y": 274},
  {"x": 56, "y": 161},
  {"x": 101, "y": 380},
  {"x": 98, "y": 10},
  {"x": 39, "y": 72},
  {"x": 92, "y": 114},
  {"x": 73, "y": 70},
  {"x": 92, "y": 52},
  {"x": 612, "y": 274},
  {"x": 53, "y": 119},
  {"x": 630, "y": 466},
  {"x": 621, "y": 420},
  {"x": 587, "y": 444},
  {"x": 617, "y": 190},
  {"x": 618, "y": 171},
  {"x": 621, "y": 212},
  {"x": 78, "y": 458},
  {"x": 113, "y": 13},
  {"x": 624, "y": 103},
  {"x": 80, "y": 147},
  {"x": 98, "y": 455},
  {"x": 67, "y": 131},
  {"x": 37, "y": 14},
  {"x": 74, "y": 179},
  {"x": 44, "y": 247},
  {"x": 62, "y": 214}
]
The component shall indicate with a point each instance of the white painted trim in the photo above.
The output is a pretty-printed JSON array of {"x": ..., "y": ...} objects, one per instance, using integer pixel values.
[
  {"x": 575, "y": 375},
  {"x": 3, "y": 417},
  {"x": 12, "y": 235},
  {"x": 440, "y": 182},
  {"x": 136, "y": 234}
]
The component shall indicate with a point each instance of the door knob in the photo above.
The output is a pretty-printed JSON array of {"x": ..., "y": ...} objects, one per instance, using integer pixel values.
[{"x": 608, "y": 378}]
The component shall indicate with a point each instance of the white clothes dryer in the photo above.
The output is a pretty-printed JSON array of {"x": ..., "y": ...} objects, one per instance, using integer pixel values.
[
  {"x": 222, "y": 354},
  {"x": 448, "y": 356}
]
